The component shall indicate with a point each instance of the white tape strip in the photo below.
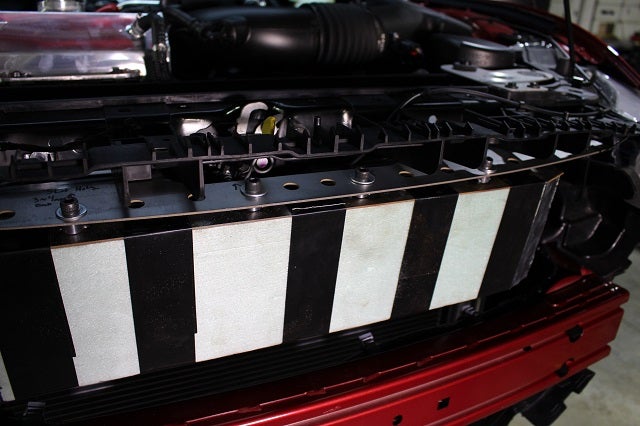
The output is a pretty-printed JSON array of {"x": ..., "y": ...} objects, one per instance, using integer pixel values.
[
  {"x": 5, "y": 384},
  {"x": 473, "y": 231},
  {"x": 373, "y": 245},
  {"x": 94, "y": 284},
  {"x": 240, "y": 285}
]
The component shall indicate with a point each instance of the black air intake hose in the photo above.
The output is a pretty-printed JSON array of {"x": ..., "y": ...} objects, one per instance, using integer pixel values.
[
  {"x": 349, "y": 34},
  {"x": 326, "y": 34},
  {"x": 315, "y": 34}
]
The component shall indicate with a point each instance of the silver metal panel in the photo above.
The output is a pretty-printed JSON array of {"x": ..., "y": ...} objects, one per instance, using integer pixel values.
[
  {"x": 515, "y": 75},
  {"x": 35, "y": 205}
]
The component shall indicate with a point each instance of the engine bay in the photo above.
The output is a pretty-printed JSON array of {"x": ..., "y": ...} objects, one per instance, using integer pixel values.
[{"x": 143, "y": 117}]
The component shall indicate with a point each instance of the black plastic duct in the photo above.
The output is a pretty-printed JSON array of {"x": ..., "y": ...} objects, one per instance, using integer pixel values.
[{"x": 315, "y": 34}]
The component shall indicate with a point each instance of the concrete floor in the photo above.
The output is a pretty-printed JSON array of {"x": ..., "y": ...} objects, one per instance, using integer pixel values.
[{"x": 613, "y": 395}]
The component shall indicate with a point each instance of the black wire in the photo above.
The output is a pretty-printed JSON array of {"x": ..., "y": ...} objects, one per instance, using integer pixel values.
[
  {"x": 478, "y": 93},
  {"x": 404, "y": 104},
  {"x": 489, "y": 96}
]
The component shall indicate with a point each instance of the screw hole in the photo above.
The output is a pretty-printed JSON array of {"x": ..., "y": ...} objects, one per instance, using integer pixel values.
[
  {"x": 6, "y": 214},
  {"x": 405, "y": 173},
  {"x": 328, "y": 182},
  {"x": 136, "y": 204},
  {"x": 443, "y": 403},
  {"x": 396, "y": 420},
  {"x": 291, "y": 186}
]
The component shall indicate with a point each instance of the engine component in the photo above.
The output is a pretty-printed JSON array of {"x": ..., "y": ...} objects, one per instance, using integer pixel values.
[
  {"x": 471, "y": 52},
  {"x": 60, "y": 6},
  {"x": 525, "y": 84},
  {"x": 40, "y": 47},
  {"x": 315, "y": 34},
  {"x": 504, "y": 77}
]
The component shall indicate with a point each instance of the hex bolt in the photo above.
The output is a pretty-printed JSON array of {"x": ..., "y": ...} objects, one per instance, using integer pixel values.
[
  {"x": 226, "y": 173},
  {"x": 488, "y": 163},
  {"x": 69, "y": 207},
  {"x": 253, "y": 187},
  {"x": 487, "y": 168},
  {"x": 511, "y": 85},
  {"x": 134, "y": 30},
  {"x": 363, "y": 176},
  {"x": 71, "y": 211}
]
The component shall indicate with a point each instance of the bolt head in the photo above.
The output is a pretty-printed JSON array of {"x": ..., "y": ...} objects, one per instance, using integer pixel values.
[
  {"x": 253, "y": 187},
  {"x": 70, "y": 209},
  {"x": 363, "y": 176},
  {"x": 69, "y": 206}
]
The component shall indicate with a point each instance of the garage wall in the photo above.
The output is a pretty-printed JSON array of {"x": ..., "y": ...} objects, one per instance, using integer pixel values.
[{"x": 609, "y": 19}]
